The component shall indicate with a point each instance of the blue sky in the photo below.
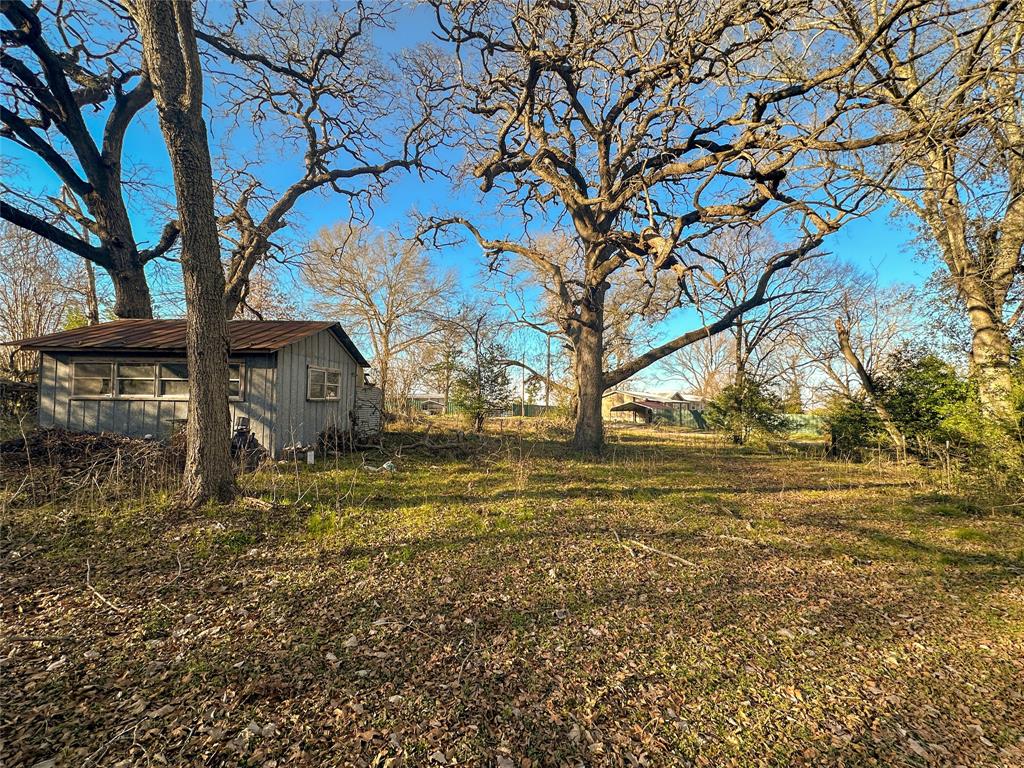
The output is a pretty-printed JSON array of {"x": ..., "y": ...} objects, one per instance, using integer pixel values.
[{"x": 877, "y": 243}]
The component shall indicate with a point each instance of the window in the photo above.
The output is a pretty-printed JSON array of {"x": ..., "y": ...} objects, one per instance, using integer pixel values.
[
  {"x": 142, "y": 380},
  {"x": 174, "y": 380},
  {"x": 324, "y": 384},
  {"x": 136, "y": 379},
  {"x": 235, "y": 381},
  {"x": 92, "y": 379}
]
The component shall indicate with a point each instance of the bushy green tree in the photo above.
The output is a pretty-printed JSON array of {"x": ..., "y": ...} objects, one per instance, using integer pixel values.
[
  {"x": 746, "y": 409},
  {"x": 481, "y": 386},
  {"x": 852, "y": 425},
  {"x": 922, "y": 392}
]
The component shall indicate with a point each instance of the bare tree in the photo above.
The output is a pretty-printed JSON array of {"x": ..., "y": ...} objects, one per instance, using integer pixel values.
[
  {"x": 955, "y": 73},
  {"x": 308, "y": 79},
  {"x": 705, "y": 367},
  {"x": 761, "y": 335},
  {"x": 445, "y": 350},
  {"x": 646, "y": 128},
  {"x": 174, "y": 70},
  {"x": 878, "y": 319},
  {"x": 303, "y": 78},
  {"x": 868, "y": 384},
  {"x": 267, "y": 295},
  {"x": 383, "y": 285},
  {"x": 58, "y": 63},
  {"x": 41, "y": 288}
]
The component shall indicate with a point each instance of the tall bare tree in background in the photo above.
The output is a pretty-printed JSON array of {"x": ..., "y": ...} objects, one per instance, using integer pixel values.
[
  {"x": 879, "y": 319},
  {"x": 309, "y": 78},
  {"x": 957, "y": 76},
  {"x": 850, "y": 341},
  {"x": 172, "y": 63},
  {"x": 705, "y": 367},
  {"x": 647, "y": 128},
  {"x": 41, "y": 289},
  {"x": 60, "y": 64},
  {"x": 382, "y": 285},
  {"x": 293, "y": 80}
]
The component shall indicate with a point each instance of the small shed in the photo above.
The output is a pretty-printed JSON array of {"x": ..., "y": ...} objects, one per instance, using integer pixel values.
[{"x": 291, "y": 379}]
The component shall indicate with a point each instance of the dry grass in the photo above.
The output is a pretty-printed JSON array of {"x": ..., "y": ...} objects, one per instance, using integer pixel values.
[{"x": 670, "y": 604}]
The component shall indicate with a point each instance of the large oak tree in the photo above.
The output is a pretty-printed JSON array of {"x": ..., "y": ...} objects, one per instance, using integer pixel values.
[
  {"x": 301, "y": 92},
  {"x": 644, "y": 129}
]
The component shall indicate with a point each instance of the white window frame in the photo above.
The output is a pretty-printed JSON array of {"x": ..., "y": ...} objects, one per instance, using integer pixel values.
[
  {"x": 158, "y": 365},
  {"x": 309, "y": 384}
]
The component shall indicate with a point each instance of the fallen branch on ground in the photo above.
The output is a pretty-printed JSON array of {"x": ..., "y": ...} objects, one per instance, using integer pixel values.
[{"x": 647, "y": 547}]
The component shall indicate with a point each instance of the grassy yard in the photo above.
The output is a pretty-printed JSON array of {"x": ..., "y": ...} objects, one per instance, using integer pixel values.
[{"x": 669, "y": 604}]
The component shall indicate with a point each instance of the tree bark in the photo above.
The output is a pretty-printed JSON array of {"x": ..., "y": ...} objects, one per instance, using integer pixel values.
[
  {"x": 739, "y": 433},
  {"x": 587, "y": 335},
  {"x": 169, "y": 48},
  {"x": 867, "y": 381},
  {"x": 92, "y": 303},
  {"x": 132, "y": 298},
  {"x": 990, "y": 359}
]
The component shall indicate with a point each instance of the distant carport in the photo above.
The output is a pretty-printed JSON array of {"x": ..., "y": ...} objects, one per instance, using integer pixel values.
[{"x": 644, "y": 408}]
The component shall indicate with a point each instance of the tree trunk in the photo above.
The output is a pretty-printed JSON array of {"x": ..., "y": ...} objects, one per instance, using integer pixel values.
[
  {"x": 92, "y": 304},
  {"x": 131, "y": 293},
  {"x": 169, "y": 48},
  {"x": 739, "y": 432},
  {"x": 990, "y": 361},
  {"x": 868, "y": 383},
  {"x": 588, "y": 340}
]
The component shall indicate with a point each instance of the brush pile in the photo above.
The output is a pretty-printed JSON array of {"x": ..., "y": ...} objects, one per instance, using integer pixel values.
[{"x": 57, "y": 462}]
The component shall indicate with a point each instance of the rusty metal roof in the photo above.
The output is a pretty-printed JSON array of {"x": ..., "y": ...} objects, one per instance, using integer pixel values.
[
  {"x": 169, "y": 336},
  {"x": 642, "y": 405}
]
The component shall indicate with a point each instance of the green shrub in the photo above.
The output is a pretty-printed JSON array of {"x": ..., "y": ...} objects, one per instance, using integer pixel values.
[
  {"x": 923, "y": 394},
  {"x": 747, "y": 409},
  {"x": 852, "y": 425},
  {"x": 939, "y": 413}
]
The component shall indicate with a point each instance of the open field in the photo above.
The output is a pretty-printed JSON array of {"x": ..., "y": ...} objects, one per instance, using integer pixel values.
[{"x": 670, "y": 604}]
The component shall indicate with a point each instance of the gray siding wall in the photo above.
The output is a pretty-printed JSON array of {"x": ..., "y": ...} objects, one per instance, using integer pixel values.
[
  {"x": 154, "y": 417},
  {"x": 300, "y": 420}
]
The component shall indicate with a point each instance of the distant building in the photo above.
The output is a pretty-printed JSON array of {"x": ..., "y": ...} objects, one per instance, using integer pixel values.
[
  {"x": 430, "y": 403},
  {"x": 291, "y": 379},
  {"x": 652, "y": 407}
]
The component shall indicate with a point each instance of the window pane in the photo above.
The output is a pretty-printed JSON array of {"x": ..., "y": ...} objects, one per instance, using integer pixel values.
[
  {"x": 234, "y": 372},
  {"x": 135, "y": 387},
  {"x": 333, "y": 377},
  {"x": 93, "y": 370},
  {"x": 129, "y": 371},
  {"x": 317, "y": 376},
  {"x": 332, "y": 391},
  {"x": 234, "y": 389},
  {"x": 92, "y": 386},
  {"x": 174, "y": 388},
  {"x": 316, "y": 391},
  {"x": 174, "y": 370}
]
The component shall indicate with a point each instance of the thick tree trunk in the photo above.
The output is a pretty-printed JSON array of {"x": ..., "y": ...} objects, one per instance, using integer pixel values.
[
  {"x": 131, "y": 293},
  {"x": 588, "y": 340},
  {"x": 990, "y": 361},
  {"x": 170, "y": 51}
]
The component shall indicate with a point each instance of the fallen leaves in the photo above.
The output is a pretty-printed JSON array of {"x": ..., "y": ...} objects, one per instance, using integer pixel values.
[{"x": 459, "y": 619}]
